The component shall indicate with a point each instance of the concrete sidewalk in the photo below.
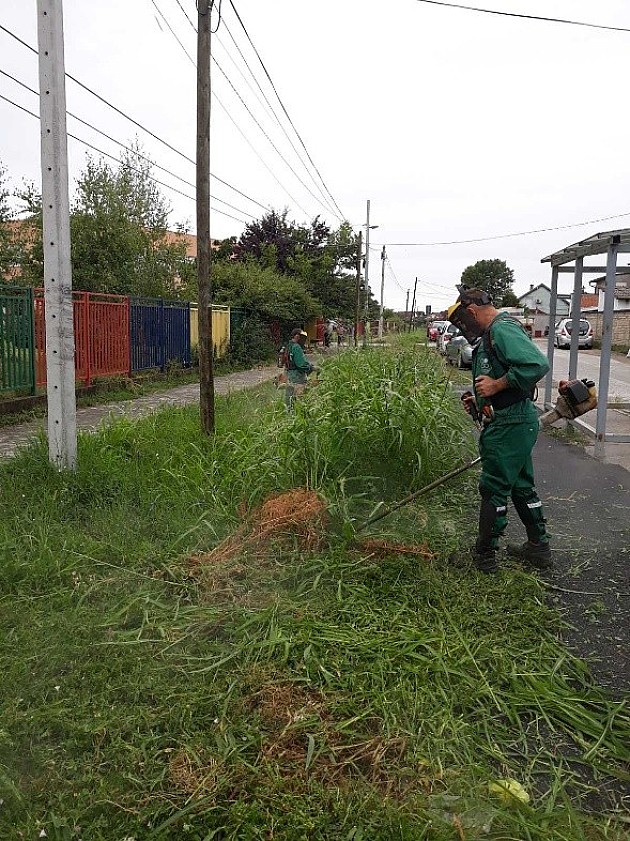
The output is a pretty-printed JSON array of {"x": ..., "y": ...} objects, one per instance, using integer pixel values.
[{"x": 91, "y": 418}]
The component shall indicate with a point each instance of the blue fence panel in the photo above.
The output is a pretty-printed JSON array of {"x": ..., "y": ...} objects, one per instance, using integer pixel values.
[
  {"x": 160, "y": 333},
  {"x": 177, "y": 332},
  {"x": 145, "y": 327}
]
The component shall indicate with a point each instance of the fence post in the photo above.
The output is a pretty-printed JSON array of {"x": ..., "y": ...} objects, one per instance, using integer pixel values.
[
  {"x": 87, "y": 344},
  {"x": 31, "y": 309},
  {"x": 162, "y": 335}
]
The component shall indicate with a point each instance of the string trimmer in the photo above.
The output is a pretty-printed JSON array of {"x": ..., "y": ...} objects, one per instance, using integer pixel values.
[{"x": 575, "y": 398}]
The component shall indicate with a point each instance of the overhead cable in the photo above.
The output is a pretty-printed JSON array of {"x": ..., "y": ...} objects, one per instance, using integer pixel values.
[
  {"x": 136, "y": 123},
  {"x": 275, "y": 116},
  {"x": 229, "y": 81},
  {"x": 506, "y": 236},
  {"x": 273, "y": 113},
  {"x": 283, "y": 107},
  {"x": 525, "y": 17},
  {"x": 226, "y": 110},
  {"x": 135, "y": 152},
  {"x": 114, "y": 158}
]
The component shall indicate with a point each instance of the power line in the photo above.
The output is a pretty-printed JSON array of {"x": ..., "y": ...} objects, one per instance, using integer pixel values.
[
  {"x": 526, "y": 17},
  {"x": 114, "y": 158},
  {"x": 506, "y": 236},
  {"x": 172, "y": 31},
  {"x": 272, "y": 110},
  {"x": 135, "y": 122},
  {"x": 283, "y": 107},
  {"x": 135, "y": 152},
  {"x": 258, "y": 99}
]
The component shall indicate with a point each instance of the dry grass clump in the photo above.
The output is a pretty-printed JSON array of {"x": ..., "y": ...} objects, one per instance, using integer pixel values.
[
  {"x": 301, "y": 739},
  {"x": 299, "y": 513},
  {"x": 193, "y": 775},
  {"x": 382, "y": 548}
]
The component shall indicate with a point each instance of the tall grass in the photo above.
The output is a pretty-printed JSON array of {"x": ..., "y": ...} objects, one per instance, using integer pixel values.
[{"x": 326, "y": 696}]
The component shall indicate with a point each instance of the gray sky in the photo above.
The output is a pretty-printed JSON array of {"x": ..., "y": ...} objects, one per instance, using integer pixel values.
[{"x": 455, "y": 124}]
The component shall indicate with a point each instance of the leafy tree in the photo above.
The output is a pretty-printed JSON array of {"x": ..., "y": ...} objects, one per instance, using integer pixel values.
[
  {"x": 119, "y": 229},
  {"x": 494, "y": 276},
  {"x": 509, "y": 299},
  {"x": 322, "y": 259},
  {"x": 9, "y": 248}
]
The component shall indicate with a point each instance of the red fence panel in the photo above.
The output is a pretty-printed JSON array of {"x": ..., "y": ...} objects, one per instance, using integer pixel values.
[{"x": 101, "y": 335}]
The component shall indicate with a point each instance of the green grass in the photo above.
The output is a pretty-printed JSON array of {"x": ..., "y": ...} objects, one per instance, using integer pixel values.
[{"x": 296, "y": 695}]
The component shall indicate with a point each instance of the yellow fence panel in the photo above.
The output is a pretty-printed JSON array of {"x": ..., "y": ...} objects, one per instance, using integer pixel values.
[{"x": 220, "y": 329}]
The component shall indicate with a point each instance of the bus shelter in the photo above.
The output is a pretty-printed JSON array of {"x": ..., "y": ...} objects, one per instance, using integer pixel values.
[{"x": 571, "y": 260}]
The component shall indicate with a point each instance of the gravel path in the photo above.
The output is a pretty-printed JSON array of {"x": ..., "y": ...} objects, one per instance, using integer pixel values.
[{"x": 91, "y": 418}]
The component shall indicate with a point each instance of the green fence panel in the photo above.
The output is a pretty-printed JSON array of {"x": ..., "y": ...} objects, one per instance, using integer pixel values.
[{"x": 17, "y": 340}]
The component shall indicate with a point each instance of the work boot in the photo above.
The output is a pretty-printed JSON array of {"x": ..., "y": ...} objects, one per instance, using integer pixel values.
[
  {"x": 535, "y": 554},
  {"x": 486, "y": 562}
]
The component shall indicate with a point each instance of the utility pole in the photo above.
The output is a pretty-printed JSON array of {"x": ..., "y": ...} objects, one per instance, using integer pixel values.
[
  {"x": 413, "y": 305},
  {"x": 61, "y": 395},
  {"x": 380, "y": 319},
  {"x": 407, "y": 305},
  {"x": 206, "y": 373},
  {"x": 357, "y": 302}
]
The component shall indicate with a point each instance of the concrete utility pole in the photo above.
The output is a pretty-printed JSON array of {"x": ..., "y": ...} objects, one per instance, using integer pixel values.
[
  {"x": 380, "y": 319},
  {"x": 62, "y": 409},
  {"x": 357, "y": 303},
  {"x": 204, "y": 254},
  {"x": 367, "y": 273},
  {"x": 407, "y": 305}
]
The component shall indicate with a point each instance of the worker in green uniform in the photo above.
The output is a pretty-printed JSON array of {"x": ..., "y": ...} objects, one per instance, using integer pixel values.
[
  {"x": 297, "y": 367},
  {"x": 506, "y": 367}
]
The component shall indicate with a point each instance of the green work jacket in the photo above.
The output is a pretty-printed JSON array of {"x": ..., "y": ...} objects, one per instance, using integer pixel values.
[
  {"x": 515, "y": 356},
  {"x": 299, "y": 366}
]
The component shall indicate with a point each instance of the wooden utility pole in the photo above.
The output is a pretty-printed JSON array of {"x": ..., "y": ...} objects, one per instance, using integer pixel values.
[
  {"x": 204, "y": 262},
  {"x": 413, "y": 305},
  {"x": 61, "y": 396},
  {"x": 380, "y": 319},
  {"x": 357, "y": 302}
]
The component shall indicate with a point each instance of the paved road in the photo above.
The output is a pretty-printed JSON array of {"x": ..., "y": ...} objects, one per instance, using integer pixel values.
[
  {"x": 89, "y": 419},
  {"x": 588, "y": 366}
]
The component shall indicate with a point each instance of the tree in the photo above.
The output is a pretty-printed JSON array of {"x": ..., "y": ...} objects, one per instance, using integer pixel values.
[
  {"x": 510, "y": 299},
  {"x": 119, "y": 230},
  {"x": 323, "y": 260},
  {"x": 8, "y": 242},
  {"x": 493, "y": 276}
]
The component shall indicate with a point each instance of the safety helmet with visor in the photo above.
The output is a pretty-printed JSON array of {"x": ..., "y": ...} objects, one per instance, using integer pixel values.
[{"x": 463, "y": 318}]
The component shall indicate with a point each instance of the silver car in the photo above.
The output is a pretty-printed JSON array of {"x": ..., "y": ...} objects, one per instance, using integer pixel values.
[
  {"x": 459, "y": 351},
  {"x": 563, "y": 333}
]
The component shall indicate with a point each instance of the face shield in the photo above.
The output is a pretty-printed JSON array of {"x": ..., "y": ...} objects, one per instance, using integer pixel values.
[{"x": 461, "y": 316}]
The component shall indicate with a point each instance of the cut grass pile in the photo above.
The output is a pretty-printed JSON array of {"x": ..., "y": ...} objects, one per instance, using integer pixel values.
[{"x": 155, "y": 690}]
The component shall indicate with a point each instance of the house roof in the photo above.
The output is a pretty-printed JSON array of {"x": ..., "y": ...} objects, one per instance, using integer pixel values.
[{"x": 542, "y": 286}]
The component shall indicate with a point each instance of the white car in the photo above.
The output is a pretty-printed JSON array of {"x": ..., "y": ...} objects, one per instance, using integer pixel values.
[{"x": 563, "y": 333}]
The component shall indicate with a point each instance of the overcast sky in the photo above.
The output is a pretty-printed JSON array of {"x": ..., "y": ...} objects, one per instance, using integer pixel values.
[{"x": 457, "y": 125}]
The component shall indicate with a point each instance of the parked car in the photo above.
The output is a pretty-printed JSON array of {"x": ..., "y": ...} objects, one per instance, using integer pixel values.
[
  {"x": 459, "y": 351},
  {"x": 445, "y": 336},
  {"x": 435, "y": 328},
  {"x": 563, "y": 333}
]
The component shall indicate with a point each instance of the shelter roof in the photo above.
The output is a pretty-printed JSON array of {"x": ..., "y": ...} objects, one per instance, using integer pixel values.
[{"x": 597, "y": 244}]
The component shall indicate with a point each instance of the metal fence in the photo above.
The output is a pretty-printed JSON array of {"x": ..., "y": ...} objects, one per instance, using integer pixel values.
[
  {"x": 220, "y": 328},
  {"x": 17, "y": 340},
  {"x": 160, "y": 333},
  {"x": 101, "y": 335}
]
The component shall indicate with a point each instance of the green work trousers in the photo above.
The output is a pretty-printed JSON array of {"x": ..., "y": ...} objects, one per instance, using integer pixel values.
[{"x": 508, "y": 472}]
